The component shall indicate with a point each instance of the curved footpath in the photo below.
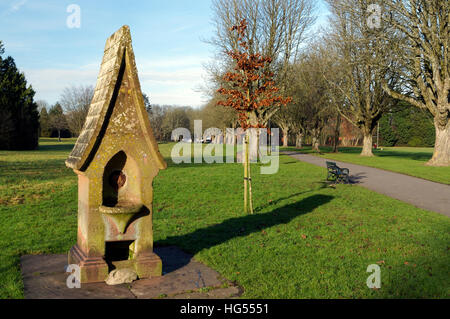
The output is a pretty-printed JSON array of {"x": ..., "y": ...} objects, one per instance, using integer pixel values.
[{"x": 416, "y": 191}]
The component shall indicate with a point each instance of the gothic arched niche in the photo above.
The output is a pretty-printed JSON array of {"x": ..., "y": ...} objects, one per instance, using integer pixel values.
[{"x": 121, "y": 182}]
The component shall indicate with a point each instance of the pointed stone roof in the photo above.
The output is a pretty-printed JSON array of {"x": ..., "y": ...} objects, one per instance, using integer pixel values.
[{"x": 118, "y": 51}]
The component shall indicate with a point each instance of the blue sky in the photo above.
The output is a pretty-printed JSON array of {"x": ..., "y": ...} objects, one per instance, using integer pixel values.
[{"x": 167, "y": 40}]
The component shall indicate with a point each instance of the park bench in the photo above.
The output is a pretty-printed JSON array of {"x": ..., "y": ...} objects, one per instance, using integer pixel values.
[{"x": 337, "y": 174}]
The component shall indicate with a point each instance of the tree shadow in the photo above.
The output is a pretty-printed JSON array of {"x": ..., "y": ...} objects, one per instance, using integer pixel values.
[
  {"x": 56, "y": 147},
  {"x": 217, "y": 234},
  {"x": 322, "y": 185},
  {"x": 38, "y": 170},
  {"x": 417, "y": 156}
]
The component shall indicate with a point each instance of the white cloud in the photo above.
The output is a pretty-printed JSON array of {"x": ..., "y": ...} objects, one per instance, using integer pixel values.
[
  {"x": 170, "y": 81},
  {"x": 16, "y": 5},
  {"x": 173, "y": 80},
  {"x": 173, "y": 87},
  {"x": 49, "y": 83},
  {"x": 170, "y": 62},
  {"x": 182, "y": 28}
]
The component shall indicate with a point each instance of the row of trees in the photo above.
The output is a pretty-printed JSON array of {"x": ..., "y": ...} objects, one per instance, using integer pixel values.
[
  {"x": 53, "y": 123},
  {"x": 67, "y": 116},
  {"x": 369, "y": 59},
  {"x": 166, "y": 118}
]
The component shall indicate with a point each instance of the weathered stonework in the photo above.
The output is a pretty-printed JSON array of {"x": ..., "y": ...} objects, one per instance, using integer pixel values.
[{"x": 116, "y": 158}]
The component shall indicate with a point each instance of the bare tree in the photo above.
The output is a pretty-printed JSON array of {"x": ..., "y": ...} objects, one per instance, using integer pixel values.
[
  {"x": 311, "y": 107},
  {"x": 75, "y": 101},
  {"x": 174, "y": 117},
  {"x": 359, "y": 52},
  {"x": 57, "y": 120},
  {"x": 156, "y": 115},
  {"x": 276, "y": 28},
  {"x": 292, "y": 118},
  {"x": 219, "y": 116},
  {"x": 425, "y": 60},
  {"x": 314, "y": 94}
]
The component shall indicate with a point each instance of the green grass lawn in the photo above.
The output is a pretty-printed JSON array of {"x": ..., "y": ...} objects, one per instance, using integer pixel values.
[
  {"x": 406, "y": 160},
  {"x": 305, "y": 240}
]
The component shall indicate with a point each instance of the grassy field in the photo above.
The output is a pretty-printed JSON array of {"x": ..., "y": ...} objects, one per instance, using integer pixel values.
[
  {"x": 305, "y": 240},
  {"x": 406, "y": 160}
]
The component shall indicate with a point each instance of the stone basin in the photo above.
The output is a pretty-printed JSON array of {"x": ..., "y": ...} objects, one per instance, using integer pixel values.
[{"x": 121, "y": 214}]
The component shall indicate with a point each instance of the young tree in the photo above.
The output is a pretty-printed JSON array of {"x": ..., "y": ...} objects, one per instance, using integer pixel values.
[
  {"x": 425, "y": 61},
  {"x": 250, "y": 86}
]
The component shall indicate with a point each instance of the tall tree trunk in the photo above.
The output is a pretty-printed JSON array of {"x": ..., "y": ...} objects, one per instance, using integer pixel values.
[
  {"x": 299, "y": 140},
  {"x": 59, "y": 135},
  {"x": 441, "y": 155},
  {"x": 367, "y": 144},
  {"x": 315, "y": 140},
  {"x": 285, "y": 137},
  {"x": 337, "y": 131},
  {"x": 315, "y": 144}
]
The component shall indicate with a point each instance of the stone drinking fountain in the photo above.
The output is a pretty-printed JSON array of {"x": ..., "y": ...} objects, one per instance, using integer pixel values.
[{"x": 116, "y": 158}]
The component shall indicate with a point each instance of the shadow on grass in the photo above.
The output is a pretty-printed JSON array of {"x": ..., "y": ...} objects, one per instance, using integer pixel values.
[
  {"x": 417, "y": 156},
  {"x": 63, "y": 147},
  {"x": 214, "y": 235},
  {"x": 37, "y": 170},
  {"x": 171, "y": 163}
]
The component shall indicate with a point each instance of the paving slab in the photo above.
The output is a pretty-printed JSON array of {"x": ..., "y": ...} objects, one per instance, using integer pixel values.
[
  {"x": 44, "y": 277},
  {"x": 416, "y": 191}
]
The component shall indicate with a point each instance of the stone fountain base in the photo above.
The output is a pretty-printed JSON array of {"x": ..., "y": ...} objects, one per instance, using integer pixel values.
[{"x": 44, "y": 277}]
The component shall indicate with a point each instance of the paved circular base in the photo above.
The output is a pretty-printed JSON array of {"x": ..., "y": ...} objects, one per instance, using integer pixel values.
[{"x": 44, "y": 277}]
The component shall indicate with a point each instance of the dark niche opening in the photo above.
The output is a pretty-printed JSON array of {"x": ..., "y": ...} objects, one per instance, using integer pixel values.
[
  {"x": 117, "y": 251},
  {"x": 114, "y": 179}
]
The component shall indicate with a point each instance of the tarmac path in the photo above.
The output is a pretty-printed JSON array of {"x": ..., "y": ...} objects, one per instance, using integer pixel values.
[{"x": 416, "y": 191}]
